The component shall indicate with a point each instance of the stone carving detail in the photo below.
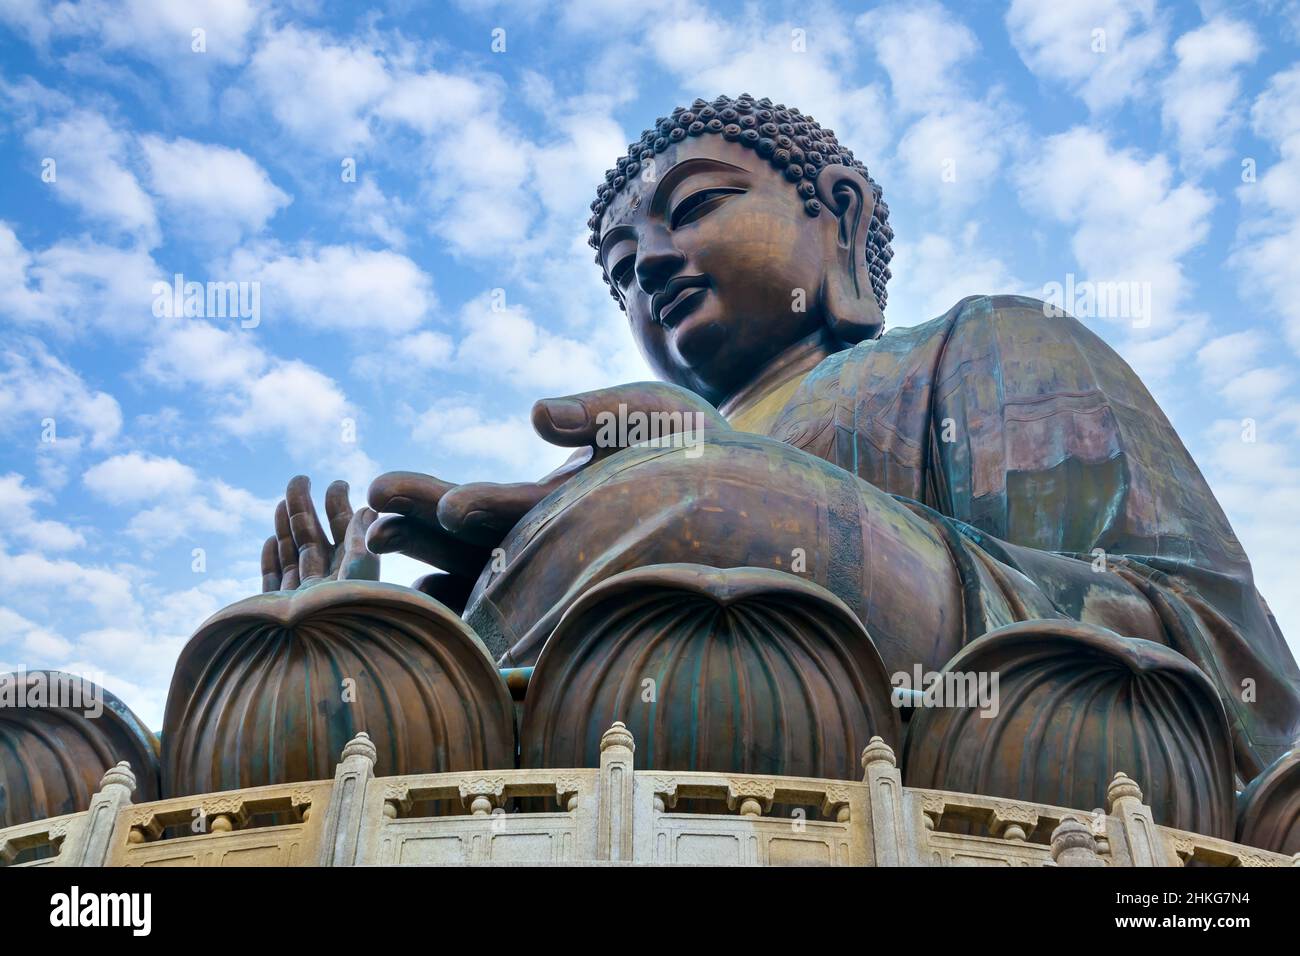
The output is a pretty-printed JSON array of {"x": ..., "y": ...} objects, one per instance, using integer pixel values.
[
  {"x": 835, "y": 796},
  {"x": 933, "y": 807},
  {"x": 483, "y": 787},
  {"x": 566, "y": 791},
  {"x": 1074, "y": 845},
  {"x": 229, "y": 805},
  {"x": 1013, "y": 822}
]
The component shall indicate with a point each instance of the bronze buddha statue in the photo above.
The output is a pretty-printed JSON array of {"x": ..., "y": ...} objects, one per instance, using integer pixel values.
[{"x": 990, "y": 491}]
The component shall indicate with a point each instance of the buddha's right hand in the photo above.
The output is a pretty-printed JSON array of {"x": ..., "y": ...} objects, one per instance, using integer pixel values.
[{"x": 455, "y": 527}]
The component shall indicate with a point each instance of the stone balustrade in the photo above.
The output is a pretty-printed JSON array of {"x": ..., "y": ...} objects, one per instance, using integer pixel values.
[{"x": 609, "y": 815}]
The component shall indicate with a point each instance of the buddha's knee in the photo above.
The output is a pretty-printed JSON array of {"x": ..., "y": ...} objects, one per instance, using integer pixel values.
[
  {"x": 742, "y": 501},
  {"x": 310, "y": 669},
  {"x": 1064, "y": 707},
  {"x": 746, "y": 670},
  {"x": 58, "y": 737}
]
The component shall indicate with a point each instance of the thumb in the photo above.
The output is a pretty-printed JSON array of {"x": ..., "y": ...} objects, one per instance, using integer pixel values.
[{"x": 577, "y": 420}]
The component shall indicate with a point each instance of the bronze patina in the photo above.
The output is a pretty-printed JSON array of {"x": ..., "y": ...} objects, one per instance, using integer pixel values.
[
  {"x": 995, "y": 475},
  {"x": 740, "y": 560}
]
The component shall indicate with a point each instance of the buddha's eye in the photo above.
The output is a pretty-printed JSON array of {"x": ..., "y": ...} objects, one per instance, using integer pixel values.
[
  {"x": 622, "y": 270},
  {"x": 701, "y": 203}
]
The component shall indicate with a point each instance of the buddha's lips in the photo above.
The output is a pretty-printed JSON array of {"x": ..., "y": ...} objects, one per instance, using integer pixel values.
[{"x": 670, "y": 305}]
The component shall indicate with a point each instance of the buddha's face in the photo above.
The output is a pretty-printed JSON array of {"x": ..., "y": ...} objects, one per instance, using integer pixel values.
[{"x": 717, "y": 263}]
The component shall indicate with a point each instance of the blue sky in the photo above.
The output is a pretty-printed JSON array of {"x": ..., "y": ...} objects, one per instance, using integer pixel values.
[{"x": 1021, "y": 144}]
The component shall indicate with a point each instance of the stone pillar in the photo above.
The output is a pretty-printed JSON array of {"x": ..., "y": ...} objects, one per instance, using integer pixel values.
[
  {"x": 614, "y": 794},
  {"x": 884, "y": 782},
  {"x": 1074, "y": 845},
  {"x": 1142, "y": 841},
  {"x": 96, "y": 840},
  {"x": 345, "y": 816}
]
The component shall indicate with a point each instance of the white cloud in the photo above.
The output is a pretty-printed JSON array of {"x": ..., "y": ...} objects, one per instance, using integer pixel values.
[
  {"x": 1255, "y": 481},
  {"x": 434, "y": 101},
  {"x": 156, "y": 30},
  {"x": 409, "y": 357},
  {"x": 335, "y": 287},
  {"x": 36, "y": 386},
  {"x": 220, "y": 510},
  {"x": 133, "y": 478},
  {"x": 1201, "y": 94},
  {"x": 192, "y": 351},
  {"x": 30, "y": 575},
  {"x": 709, "y": 55},
  {"x": 1060, "y": 43},
  {"x": 956, "y": 142},
  {"x": 506, "y": 343},
  {"x": 255, "y": 395},
  {"x": 936, "y": 271},
  {"x": 1257, "y": 388},
  {"x": 1131, "y": 227},
  {"x": 921, "y": 47},
  {"x": 1130, "y": 222},
  {"x": 180, "y": 505},
  {"x": 90, "y": 172},
  {"x": 216, "y": 192},
  {"x": 1270, "y": 239},
  {"x": 377, "y": 214},
  {"x": 1227, "y": 356},
  {"x": 320, "y": 91},
  {"x": 291, "y": 399},
  {"x": 464, "y": 433},
  {"x": 17, "y": 502},
  {"x": 953, "y": 155},
  {"x": 51, "y": 287}
]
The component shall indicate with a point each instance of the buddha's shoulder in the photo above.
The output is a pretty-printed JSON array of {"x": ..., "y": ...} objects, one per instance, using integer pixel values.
[{"x": 1009, "y": 319}]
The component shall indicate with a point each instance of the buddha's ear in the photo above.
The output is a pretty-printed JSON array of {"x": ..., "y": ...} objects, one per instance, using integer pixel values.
[{"x": 852, "y": 312}]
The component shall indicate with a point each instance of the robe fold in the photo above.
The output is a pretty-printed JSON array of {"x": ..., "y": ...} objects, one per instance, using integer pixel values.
[{"x": 1034, "y": 440}]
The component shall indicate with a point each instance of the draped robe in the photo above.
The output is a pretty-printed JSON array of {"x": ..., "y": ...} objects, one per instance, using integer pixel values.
[{"x": 1014, "y": 448}]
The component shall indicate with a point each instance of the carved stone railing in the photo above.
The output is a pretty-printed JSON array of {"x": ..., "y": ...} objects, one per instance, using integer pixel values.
[{"x": 612, "y": 814}]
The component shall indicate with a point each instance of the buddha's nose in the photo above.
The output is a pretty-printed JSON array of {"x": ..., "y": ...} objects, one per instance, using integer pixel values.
[{"x": 657, "y": 261}]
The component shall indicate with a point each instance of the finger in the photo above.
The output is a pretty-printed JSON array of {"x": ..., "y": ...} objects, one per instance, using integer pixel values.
[
  {"x": 308, "y": 535},
  {"x": 483, "y": 512},
  {"x": 586, "y": 418},
  {"x": 450, "y": 589},
  {"x": 288, "y": 552},
  {"x": 431, "y": 544},
  {"x": 271, "y": 565},
  {"x": 338, "y": 511},
  {"x": 359, "y": 563},
  {"x": 408, "y": 493}
]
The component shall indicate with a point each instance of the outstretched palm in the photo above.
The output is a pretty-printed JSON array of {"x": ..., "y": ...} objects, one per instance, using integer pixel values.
[
  {"x": 299, "y": 554},
  {"x": 455, "y": 527}
]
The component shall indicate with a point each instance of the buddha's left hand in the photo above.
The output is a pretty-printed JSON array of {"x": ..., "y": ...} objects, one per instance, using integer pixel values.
[
  {"x": 300, "y": 553},
  {"x": 456, "y": 526}
]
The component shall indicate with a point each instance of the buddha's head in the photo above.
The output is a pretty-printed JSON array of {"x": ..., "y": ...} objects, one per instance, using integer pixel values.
[{"x": 735, "y": 230}]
